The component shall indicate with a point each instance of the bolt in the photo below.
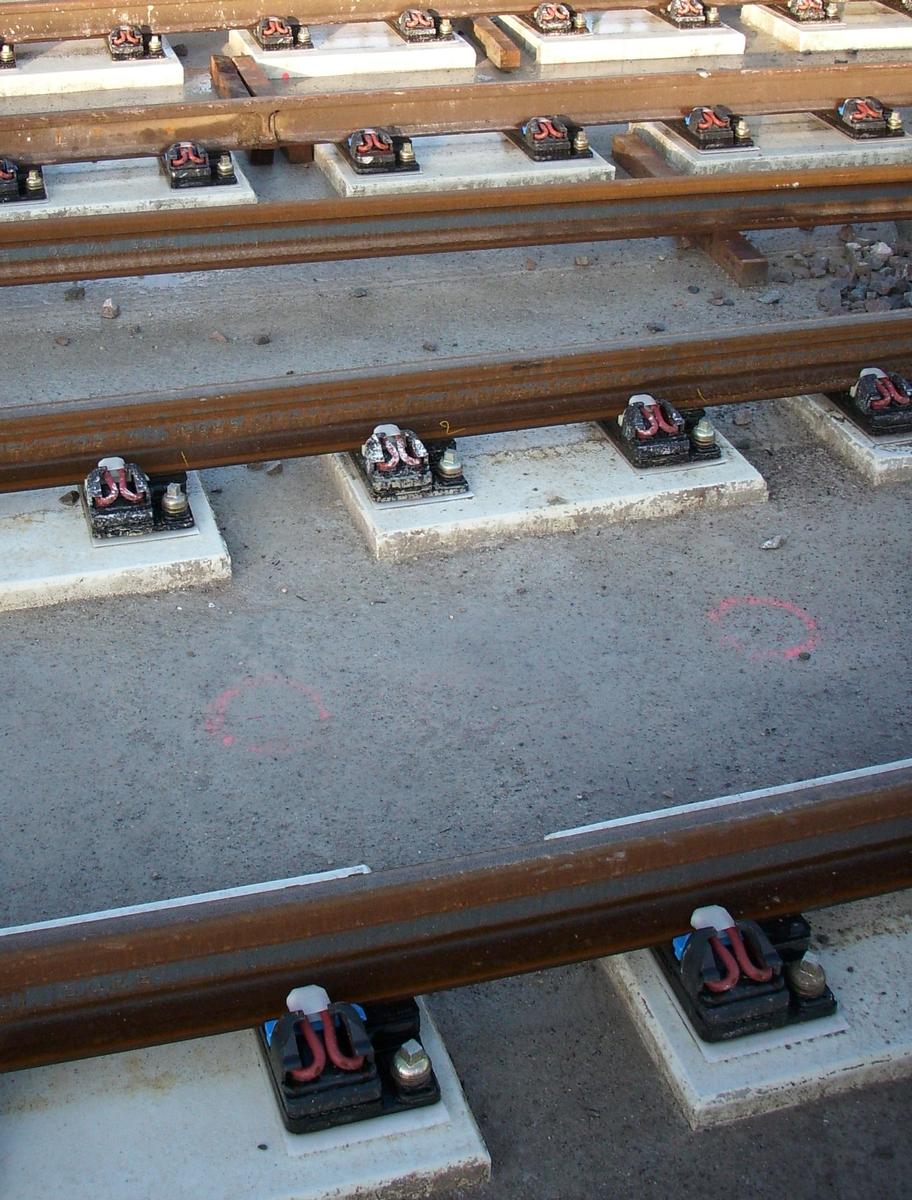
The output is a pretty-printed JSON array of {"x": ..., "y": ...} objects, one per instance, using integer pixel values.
[
  {"x": 807, "y": 977},
  {"x": 580, "y": 142},
  {"x": 741, "y": 129},
  {"x": 224, "y": 166},
  {"x": 411, "y": 1066},
  {"x": 302, "y": 37},
  {"x": 578, "y": 21},
  {"x": 449, "y": 464},
  {"x": 712, "y": 15},
  {"x": 444, "y": 27},
  {"x": 33, "y": 180},
  {"x": 832, "y": 12},
  {"x": 406, "y": 151},
  {"x": 703, "y": 433},
  {"x": 7, "y": 54},
  {"x": 155, "y": 44},
  {"x": 174, "y": 502},
  {"x": 894, "y": 120}
]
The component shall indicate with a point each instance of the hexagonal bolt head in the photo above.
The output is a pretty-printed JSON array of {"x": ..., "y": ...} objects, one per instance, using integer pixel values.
[
  {"x": 411, "y": 1065},
  {"x": 807, "y": 977}
]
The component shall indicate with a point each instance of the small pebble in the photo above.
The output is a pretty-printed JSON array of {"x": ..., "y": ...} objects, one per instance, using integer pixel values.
[
  {"x": 76, "y": 292},
  {"x": 360, "y": 293},
  {"x": 804, "y": 655},
  {"x": 693, "y": 289},
  {"x": 284, "y": 591},
  {"x": 582, "y": 260},
  {"x": 262, "y": 1146},
  {"x": 656, "y": 327},
  {"x": 180, "y": 50},
  {"x": 275, "y": 468},
  {"x": 110, "y": 310},
  {"x": 69, "y": 498},
  {"x": 741, "y": 417},
  {"x": 530, "y": 264},
  {"x": 773, "y": 543},
  {"x": 217, "y": 336},
  {"x": 430, "y": 346},
  {"x": 768, "y": 298},
  {"x": 134, "y": 330},
  {"x": 262, "y": 339},
  {"x": 62, "y": 340}
]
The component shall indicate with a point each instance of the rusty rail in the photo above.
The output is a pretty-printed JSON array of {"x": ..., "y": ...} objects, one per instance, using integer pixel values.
[
  {"x": 314, "y": 230},
  {"x": 121, "y": 980},
  {"x": 55, "y": 443},
  {"x": 52, "y": 20},
  {"x": 286, "y": 117}
]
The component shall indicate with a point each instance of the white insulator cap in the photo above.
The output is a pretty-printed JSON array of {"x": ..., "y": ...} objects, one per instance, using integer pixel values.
[
  {"x": 111, "y": 464},
  {"x": 310, "y": 1000},
  {"x": 875, "y": 371},
  {"x": 711, "y": 916},
  {"x": 642, "y": 398}
]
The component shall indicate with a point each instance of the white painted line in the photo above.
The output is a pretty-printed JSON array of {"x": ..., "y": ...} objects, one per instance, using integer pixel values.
[
  {"x": 251, "y": 889},
  {"x": 738, "y": 798}
]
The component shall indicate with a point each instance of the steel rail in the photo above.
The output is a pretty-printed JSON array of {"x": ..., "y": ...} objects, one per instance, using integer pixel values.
[
  {"x": 121, "y": 980},
  {"x": 52, "y": 20},
  {"x": 46, "y": 444},
  {"x": 286, "y": 117},
  {"x": 271, "y": 233}
]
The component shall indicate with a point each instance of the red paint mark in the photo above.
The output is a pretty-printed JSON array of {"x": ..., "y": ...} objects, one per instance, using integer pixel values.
[
  {"x": 736, "y": 604},
  {"x": 266, "y": 714}
]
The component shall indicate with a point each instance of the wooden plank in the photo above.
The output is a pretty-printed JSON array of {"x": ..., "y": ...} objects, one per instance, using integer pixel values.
[
  {"x": 500, "y": 48},
  {"x": 255, "y": 78},
  {"x": 737, "y": 256},
  {"x": 226, "y": 81},
  {"x": 733, "y": 252}
]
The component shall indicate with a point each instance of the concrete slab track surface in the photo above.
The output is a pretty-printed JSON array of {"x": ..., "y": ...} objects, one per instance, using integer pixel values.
[{"x": 325, "y": 709}]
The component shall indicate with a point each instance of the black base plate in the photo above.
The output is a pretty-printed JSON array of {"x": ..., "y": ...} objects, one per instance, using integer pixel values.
[
  {"x": 858, "y": 135},
  {"x": 139, "y": 526},
  {"x": 21, "y": 192},
  {"x": 439, "y": 487},
  {"x": 813, "y": 23},
  {"x": 753, "y": 1008},
  {"x": 897, "y": 420},
  {"x": 696, "y": 23},
  {"x": 669, "y": 452},
  {"x": 388, "y": 1027},
  {"x": 683, "y": 130}
]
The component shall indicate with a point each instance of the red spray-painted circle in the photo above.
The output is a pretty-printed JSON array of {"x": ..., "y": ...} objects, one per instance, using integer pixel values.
[
  {"x": 732, "y": 606},
  {"x": 265, "y": 714}
]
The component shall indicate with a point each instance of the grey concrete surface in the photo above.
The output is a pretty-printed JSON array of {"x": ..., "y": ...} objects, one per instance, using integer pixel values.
[{"x": 325, "y": 709}]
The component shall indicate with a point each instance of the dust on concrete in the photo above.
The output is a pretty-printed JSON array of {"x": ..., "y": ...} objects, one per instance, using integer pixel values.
[{"x": 478, "y": 700}]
